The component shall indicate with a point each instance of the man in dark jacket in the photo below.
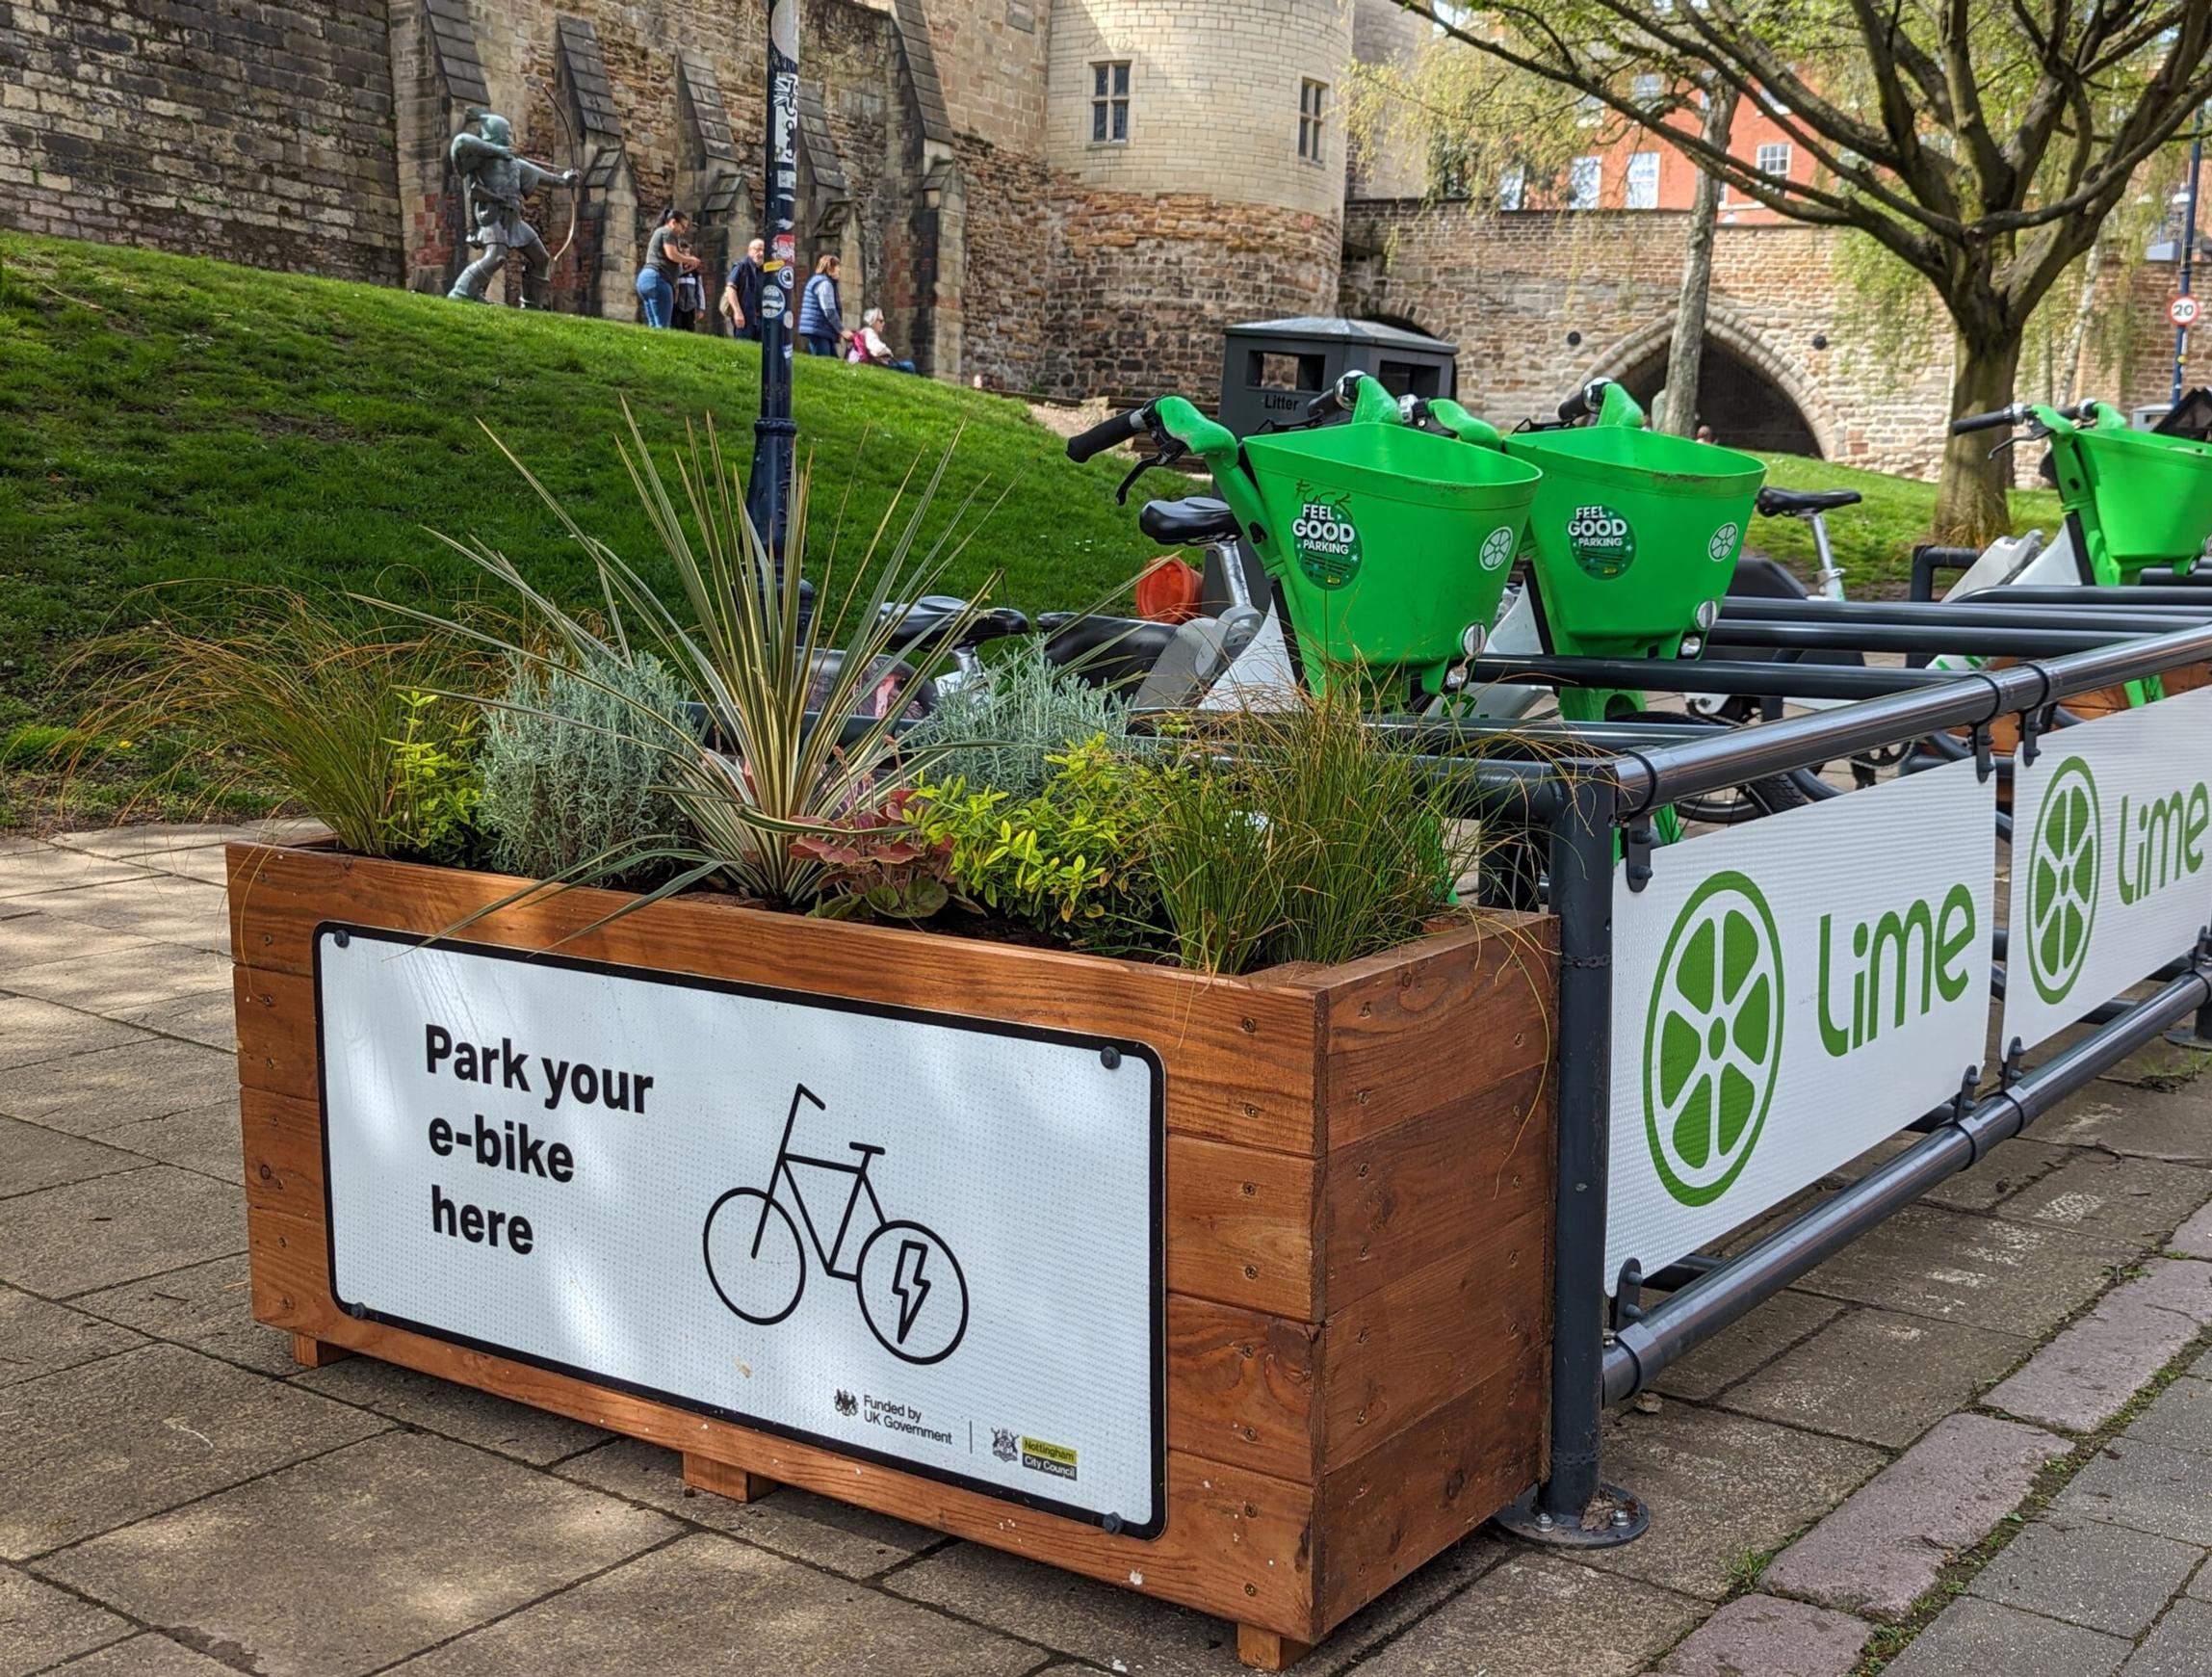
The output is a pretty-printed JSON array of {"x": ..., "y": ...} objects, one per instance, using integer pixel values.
[{"x": 742, "y": 294}]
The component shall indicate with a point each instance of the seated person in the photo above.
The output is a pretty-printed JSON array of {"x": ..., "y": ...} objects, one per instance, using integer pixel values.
[{"x": 869, "y": 344}]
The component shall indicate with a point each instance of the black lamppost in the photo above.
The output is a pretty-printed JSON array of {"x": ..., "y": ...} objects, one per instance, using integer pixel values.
[{"x": 774, "y": 431}]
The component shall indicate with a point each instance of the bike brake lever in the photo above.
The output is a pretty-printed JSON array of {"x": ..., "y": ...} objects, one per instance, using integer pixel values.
[{"x": 1169, "y": 454}]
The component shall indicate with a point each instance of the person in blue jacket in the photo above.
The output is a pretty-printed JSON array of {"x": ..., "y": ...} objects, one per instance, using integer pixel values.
[{"x": 820, "y": 324}]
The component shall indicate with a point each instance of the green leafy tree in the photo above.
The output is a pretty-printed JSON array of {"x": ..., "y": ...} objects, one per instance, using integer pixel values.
[{"x": 1983, "y": 143}]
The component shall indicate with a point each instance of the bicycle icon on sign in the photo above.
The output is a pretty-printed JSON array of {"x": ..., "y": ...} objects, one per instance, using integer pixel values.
[{"x": 905, "y": 1277}]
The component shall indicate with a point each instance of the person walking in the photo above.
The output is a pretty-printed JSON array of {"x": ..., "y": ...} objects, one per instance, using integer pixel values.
[
  {"x": 740, "y": 304},
  {"x": 666, "y": 258},
  {"x": 820, "y": 325}
]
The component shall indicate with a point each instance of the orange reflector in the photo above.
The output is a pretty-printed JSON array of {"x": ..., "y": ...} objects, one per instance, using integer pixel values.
[{"x": 1168, "y": 591}]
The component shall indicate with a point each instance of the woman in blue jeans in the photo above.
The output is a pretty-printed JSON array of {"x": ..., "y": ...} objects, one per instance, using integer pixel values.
[
  {"x": 820, "y": 326},
  {"x": 666, "y": 258}
]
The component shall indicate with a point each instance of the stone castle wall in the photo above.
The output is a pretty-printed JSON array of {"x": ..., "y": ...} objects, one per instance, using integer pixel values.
[{"x": 255, "y": 130}]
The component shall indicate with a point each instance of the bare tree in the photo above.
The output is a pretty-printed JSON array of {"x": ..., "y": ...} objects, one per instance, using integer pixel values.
[
  {"x": 1687, "y": 347},
  {"x": 1983, "y": 143}
]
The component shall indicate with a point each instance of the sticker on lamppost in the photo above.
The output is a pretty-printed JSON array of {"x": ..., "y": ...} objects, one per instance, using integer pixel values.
[
  {"x": 901, "y": 1236},
  {"x": 2112, "y": 834},
  {"x": 1778, "y": 1010}
]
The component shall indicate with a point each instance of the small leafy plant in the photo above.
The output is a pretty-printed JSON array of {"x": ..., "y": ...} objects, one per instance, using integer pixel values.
[
  {"x": 880, "y": 864},
  {"x": 1003, "y": 731},
  {"x": 435, "y": 787}
]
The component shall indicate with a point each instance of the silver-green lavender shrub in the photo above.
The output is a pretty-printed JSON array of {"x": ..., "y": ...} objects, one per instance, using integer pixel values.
[
  {"x": 996, "y": 734},
  {"x": 567, "y": 774}
]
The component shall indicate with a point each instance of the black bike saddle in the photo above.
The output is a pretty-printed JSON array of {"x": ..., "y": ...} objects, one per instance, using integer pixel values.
[
  {"x": 1190, "y": 522},
  {"x": 1105, "y": 651},
  {"x": 920, "y": 626},
  {"x": 1796, "y": 503}
]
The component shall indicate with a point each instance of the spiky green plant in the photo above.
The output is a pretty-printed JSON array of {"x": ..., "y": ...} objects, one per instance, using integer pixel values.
[
  {"x": 999, "y": 733},
  {"x": 793, "y": 738}
]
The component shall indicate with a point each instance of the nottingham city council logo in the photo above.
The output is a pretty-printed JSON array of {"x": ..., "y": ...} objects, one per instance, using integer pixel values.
[
  {"x": 1713, "y": 1038},
  {"x": 1603, "y": 543},
  {"x": 1497, "y": 547},
  {"x": 2062, "y": 871}
]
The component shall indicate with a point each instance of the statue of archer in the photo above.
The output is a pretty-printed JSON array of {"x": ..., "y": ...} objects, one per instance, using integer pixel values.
[{"x": 494, "y": 181}]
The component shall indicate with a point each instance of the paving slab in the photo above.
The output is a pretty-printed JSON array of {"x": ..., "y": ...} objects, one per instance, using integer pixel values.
[
  {"x": 2006, "y": 1169},
  {"x": 360, "y": 1557},
  {"x": 2106, "y": 1578},
  {"x": 1538, "y": 1616},
  {"x": 91, "y": 1446},
  {"x": 33, "y": 1157},
  {"x": 2013, "y": 1277},
  {"x": 151, "y": 843},
  {"x": 208, "y": 1017},
  {"x": 42, "y": 1626},
  {"x": 836, "y": 1536},
  {"x": 484, "y": 1419},
  {"x": 142, "y": 976},
  {"x": 1980, "y": 1638},
  {"x": 206, "y": 863},
  {"x": 1886, "y": 1544},
  {"x": 30, "y": 938},
  {"x": 1720, "y": 1486},
  {"x": 38, "y": 1338},
  {"x": 163, "y": 906},
  {"x": 147, "y": 1078},
  {"x": 2179, "y": 1646},
  {"x": 2151, "y": 1124},
  {"x": 31, "y": 1031},
  {"x": 1126, "y": 1630},
  {"x": 1772, "y": 1637},
  {"x": 2086, "y": 1376},
  {"x": 148, "y": 1655},
  {"x": 29, "y": 871},
  {"x": 1745, "y": 1346},
  {"x": 206, "y": 1139},
  {"x": 2130, "y": 1482},
  {"x": 2121, "y": 1199},
  {"x": 2182, "y": 1417},
  {"x": 207, "y": 1306},
  {"x": 1879, "y": 1376},
  {"x": 711, "y": 1604},
  {"x": 2194, "y": 1237},
  {"x": 111, "y": 1229}
]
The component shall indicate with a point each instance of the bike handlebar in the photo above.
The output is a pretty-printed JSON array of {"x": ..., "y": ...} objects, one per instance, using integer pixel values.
[
  {"x": 2000, "y": 419},
  {"x": 1575, "y": 406},
  {"x": 1116, "y": 429}
]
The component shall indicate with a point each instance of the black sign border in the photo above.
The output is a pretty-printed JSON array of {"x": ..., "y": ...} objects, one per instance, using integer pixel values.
[{"x": 1127, "y": 1047}]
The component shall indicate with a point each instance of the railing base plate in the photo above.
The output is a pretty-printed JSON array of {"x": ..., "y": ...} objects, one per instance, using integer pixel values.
[{"x": 1614, "y": 1517}]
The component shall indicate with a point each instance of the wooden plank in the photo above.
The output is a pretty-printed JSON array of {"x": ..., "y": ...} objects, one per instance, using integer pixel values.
[
  {"x": 1241, "y": 1388},
  {"x": 704, "y": 1473},
  {"x": 1406, "y": 1197},
  {"x": 1266, "y": 1650},
  {"x": 276, "y": 1046},
  {"x": 1384, "y": 1514},
  {"x": 1407, "y": 1032},
  {"x": 1237, "y": 1544},
  {"x": 310, "y": 1352},
  {"x": 1240, "y": 1055},
  {"x": 1240, "y": 1227},
  {"x": 1408, "y": 1348}
]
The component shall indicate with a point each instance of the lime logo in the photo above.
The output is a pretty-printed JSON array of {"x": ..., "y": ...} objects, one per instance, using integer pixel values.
[
  {"x": 1602, "y": 541},
  {"x": 1723, "y": 544},
  {"x": 1496, "y": 547},
  {"x": 1327, "y": 543},
  {"x": 2062, "y": 871},
  {"x": 1713, "y": 1038}
]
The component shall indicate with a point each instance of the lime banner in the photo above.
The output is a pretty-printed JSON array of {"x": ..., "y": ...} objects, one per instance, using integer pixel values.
[
  {"x": 2112, "y": 834},
  {"x": 1786, "y": 994}
]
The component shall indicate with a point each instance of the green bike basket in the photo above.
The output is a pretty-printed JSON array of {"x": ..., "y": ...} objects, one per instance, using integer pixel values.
[
  {"x": 2150, "y": 495},
  {"x": 1632, "y": 531},
  {"x": 1389, "y": 541}
]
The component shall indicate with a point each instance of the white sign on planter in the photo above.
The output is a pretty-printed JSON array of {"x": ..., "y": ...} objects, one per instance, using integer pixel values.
[
  {"x": 2112, "y": 833},
  {"x": 930, "y": 1241},
  {"x": 1785, "y": 994}
]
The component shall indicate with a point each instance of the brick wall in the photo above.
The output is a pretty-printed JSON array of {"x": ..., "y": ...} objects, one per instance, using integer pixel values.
[{"x": 255, "y": 130}]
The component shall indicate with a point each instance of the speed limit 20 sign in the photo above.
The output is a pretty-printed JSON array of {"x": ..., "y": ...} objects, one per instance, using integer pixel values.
[{"x": 2182, "y": 310}]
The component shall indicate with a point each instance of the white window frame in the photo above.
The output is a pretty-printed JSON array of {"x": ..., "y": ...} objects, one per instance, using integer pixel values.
[
  {"x": 1111, "y": 79},
  {"x": 1513, "y": 187},
  {"x": 1586, "y": 182},
  {"x": 1648, "y": 87},
  {"x": 1641, "y": 190},
  {"x": 1313, "y": 119},
  {"x": 1773, "y": 152}
]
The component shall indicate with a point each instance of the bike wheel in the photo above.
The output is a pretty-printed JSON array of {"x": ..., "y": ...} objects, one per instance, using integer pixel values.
[
  {"x": 754, "y": 1258},
  {"x": 912, "y": 1293},
  {"x": 1768, "y": 795}
]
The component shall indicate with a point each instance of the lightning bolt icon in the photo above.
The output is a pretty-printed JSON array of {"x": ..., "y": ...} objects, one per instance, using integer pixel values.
[{"x": 908, "y": 1284}]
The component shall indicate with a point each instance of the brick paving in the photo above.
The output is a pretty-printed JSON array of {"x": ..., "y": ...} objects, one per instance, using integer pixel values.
[{"x": 177, "y": 1497}]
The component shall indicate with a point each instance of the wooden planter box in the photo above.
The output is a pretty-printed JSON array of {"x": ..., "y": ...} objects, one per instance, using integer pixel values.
[{"x": 1357, "y": 1224}]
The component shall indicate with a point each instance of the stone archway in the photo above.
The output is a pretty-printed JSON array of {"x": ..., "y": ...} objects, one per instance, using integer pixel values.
[{"x": 1751, "y": 393}]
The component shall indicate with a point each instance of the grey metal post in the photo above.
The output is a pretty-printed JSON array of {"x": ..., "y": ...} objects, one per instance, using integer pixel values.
[{"x": 1574, "y": 1508}]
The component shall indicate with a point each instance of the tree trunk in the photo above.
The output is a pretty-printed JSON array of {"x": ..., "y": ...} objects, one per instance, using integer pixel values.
[
  {"x": 2077, "y": 336},
  {"x": 1971, "y": 509},
  {"x": 1688, "y": 345}
]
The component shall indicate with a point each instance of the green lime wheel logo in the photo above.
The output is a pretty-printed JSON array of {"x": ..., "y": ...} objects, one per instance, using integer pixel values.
[
  {"x": 1603, "y": 543},
  {"x": 1722, "y": 547},
  {"x": 1713, "y": 1038},
  {"x": 1497, "y": 547},
  {"x": 1327, "y": 543},
  {"x": 2064, "y": 867}
]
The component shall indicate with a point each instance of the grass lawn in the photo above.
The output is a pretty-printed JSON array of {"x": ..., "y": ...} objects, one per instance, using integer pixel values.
[{"x": 1873, "y": 540}]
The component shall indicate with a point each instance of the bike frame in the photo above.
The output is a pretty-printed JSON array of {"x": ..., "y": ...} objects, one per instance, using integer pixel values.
[{"x": 781, "y": 1172}]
